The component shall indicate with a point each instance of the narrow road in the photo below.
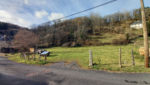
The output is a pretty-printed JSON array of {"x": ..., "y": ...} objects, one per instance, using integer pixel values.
[{"x": 12, "y": 73}]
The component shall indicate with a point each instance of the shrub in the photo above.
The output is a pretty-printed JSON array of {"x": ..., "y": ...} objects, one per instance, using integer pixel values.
[
  {"x": 122, "y": 40},
  {"x": 67, "y": 44},
  {"x": 93, "y": 43}
]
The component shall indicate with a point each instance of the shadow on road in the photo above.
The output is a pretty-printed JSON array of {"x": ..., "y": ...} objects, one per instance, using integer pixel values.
[{"x": 10, "y": 80}]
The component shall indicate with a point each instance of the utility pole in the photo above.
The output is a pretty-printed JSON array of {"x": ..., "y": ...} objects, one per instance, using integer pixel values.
[{"x": 145, "y": 34}]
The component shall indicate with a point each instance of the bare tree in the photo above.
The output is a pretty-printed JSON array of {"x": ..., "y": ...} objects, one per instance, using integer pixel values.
[{"x": 24, "y": 40}]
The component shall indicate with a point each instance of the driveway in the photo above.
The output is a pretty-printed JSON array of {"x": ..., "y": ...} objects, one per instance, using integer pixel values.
[{"x": 12, "y": 73}]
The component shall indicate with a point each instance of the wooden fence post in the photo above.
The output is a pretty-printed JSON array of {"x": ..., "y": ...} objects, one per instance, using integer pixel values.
[
  {"x": 90, "y": 58},
  {"x": 120, "y": 55},
  {"x": 45, "y": 57},
  {"x": 25, "y": 56},
  {"x": 34, "y": 56},
  {"x": 40, "y": 57},
  {"x": 133, "y": 61}
]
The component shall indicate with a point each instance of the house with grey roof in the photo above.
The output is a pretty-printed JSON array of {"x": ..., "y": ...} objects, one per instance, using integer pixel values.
[{"x": 137, "y": 25}]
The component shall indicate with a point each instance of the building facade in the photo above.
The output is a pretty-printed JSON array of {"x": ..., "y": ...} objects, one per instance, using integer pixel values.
[{"x": 137, "y": 25}]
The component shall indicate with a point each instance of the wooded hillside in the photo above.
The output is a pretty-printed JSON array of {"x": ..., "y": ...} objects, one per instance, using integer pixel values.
[
  {"x": 9, "y": 30},
  {"x": 83, "y": 30}
]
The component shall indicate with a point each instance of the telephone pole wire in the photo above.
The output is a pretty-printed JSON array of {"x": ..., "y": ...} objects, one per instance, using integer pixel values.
[{"x": 108, "y": 2}]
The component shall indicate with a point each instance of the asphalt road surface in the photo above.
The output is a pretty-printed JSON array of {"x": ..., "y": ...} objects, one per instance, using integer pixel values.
[{"x": 12, "y": 73}]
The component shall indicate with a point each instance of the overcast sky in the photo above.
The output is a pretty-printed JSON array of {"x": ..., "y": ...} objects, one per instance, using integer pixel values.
[{"x": 28, "y": 12}]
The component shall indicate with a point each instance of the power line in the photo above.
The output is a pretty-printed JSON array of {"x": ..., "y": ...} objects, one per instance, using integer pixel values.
[{"x": 84, "y": 10}]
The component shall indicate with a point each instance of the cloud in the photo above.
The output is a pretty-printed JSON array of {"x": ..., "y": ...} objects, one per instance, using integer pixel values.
[
  {"x": 4, "y": 14},
  {"x": 7, "y": 17},
  {"x": 54, "y": 16},
  {"x": 25, "y": 12},
  {"x": 26, "y": 2},
  {"x": 41, "y": 14}
]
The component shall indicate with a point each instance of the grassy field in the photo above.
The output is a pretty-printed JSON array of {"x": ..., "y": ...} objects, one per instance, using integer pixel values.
[
  {"x": 105, "y": 38},
  {"x": 105, "y": 57}
]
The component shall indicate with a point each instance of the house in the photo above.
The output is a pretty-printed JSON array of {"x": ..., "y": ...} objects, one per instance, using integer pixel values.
[
  {"x": 137, "y": 25},
  {"x": 1, "y": 37},
  {"x": 3, "y": 44},
  {"x": 6, "y": 47}
]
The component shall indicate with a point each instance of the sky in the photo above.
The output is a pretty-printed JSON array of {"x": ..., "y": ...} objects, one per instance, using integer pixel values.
[{"x": 27, "y": 13}]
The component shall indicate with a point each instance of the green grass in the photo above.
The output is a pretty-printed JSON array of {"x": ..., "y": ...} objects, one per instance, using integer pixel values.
[
  {"x": 16, "y": 57},
  {"x": 108, "y": 56},
  {"x": 139, "y": 41},
  {"x": 105, "y": 38}
]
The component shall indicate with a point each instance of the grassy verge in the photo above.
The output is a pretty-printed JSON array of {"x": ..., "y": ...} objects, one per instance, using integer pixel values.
[{"x": 105, "y": 57}]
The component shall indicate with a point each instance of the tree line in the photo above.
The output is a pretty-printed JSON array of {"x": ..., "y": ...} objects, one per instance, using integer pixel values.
[{"x": 75, "y": 32}]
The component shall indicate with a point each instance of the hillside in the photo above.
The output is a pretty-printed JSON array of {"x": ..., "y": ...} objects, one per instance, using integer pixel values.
[
  {"x": 92, "y": 30},
  {"x": 8, "y": 30}
]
